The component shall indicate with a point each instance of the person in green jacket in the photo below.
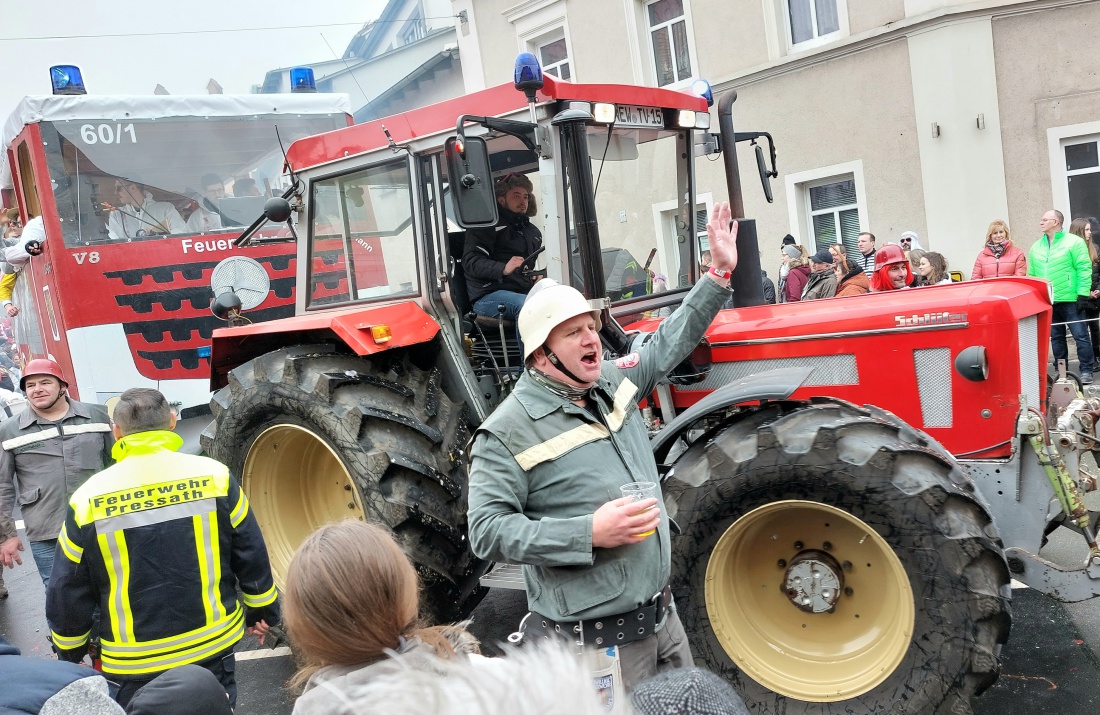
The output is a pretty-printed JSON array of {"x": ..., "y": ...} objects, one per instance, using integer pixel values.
[
  {"x": 547, "y": 467},
  {"x": 1063, "y": 259}
]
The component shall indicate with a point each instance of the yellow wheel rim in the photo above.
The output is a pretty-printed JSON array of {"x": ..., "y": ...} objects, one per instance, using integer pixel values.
[
  {"x": 812, "y": 656},
  {"x": 295, "y": 483}
]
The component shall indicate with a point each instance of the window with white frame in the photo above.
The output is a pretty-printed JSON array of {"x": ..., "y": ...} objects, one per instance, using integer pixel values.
[
  {"x": 554, "y": 58},
  {"x": 809, "y": 20},
  {"x": 414, "y": 29},
  {"x": 669, "y": 38},
  {"x": 833, "y": 211},
  {"x": 1082, "y": 157}
]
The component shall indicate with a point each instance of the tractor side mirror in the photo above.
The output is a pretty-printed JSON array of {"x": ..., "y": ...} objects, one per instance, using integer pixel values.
[
  {"x": 765, "y": 175},
  {"x": 471, "y": 181}
]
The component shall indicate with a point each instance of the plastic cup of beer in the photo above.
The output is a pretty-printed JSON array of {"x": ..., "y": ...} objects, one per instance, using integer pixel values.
[{"x": 637, "y": 491}]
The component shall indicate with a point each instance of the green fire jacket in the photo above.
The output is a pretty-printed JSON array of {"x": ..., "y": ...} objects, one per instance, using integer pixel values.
[{"x": 541, "y": 466}]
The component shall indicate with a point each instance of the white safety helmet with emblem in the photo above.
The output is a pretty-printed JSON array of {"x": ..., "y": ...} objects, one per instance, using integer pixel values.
[{"x": 548, "y": 305}]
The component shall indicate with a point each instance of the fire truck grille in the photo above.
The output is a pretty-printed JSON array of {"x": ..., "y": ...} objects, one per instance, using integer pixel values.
[
  {"x": 1028, "y": 330},
  {"x": 828, "y": 370},
  {"x": 934, "y": 384}
]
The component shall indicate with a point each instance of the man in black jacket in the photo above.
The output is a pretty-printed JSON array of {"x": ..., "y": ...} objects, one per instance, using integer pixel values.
[{"x": 493, "y": 257}]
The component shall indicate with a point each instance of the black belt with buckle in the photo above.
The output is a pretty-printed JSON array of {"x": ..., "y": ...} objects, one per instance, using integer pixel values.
[{"x": 624, "y": 628}]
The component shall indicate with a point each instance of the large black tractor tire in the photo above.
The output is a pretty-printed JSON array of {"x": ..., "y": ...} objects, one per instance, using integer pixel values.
[
  {"x": 318, "y": 436},
  {"x": 827, "y": 490}
]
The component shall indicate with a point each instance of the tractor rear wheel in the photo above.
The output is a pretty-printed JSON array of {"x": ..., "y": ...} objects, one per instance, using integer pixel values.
[
  {"x": 318, "y": 436},
  {"x": 835, "y": 560}
]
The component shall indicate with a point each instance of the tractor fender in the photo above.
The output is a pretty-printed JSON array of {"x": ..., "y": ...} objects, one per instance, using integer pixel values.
[
  {"x": 771, "y": 385},
  {"x": 404, "y": 325}
]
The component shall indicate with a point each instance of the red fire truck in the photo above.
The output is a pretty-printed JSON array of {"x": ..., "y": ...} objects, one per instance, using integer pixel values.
[{"x": 121, "y": 299}]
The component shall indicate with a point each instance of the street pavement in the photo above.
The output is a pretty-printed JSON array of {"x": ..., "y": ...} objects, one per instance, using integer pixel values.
[{"x": 1050, "y": 663}]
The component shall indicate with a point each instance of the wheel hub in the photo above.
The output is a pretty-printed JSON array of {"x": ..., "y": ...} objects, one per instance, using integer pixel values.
[
  {"x": 854, "y": 609},
  {"x": 814, "y": 581}
]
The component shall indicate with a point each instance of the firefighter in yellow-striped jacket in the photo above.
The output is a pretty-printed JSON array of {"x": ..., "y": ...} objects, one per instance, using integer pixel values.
[{"x": 159, "y": 542}]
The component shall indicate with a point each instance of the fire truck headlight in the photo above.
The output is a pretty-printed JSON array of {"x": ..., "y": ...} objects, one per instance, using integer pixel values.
[
  {"x": 685, "y": 118},
  {"x": 702, "y": 120},
  {"x": 604, "y": 113},
  {"x": 972, "y": 363}
]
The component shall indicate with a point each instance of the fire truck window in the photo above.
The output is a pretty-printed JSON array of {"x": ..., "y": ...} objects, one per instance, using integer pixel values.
[
  {"x": 645, "y": 243},
  {"x": 362, "y": 238},
  {"x": 148, "y": 178},
  {"x": 26, "y": 181}
]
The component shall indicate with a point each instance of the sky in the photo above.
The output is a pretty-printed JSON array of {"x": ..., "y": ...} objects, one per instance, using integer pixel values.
[{"x": 114, "y": 45}]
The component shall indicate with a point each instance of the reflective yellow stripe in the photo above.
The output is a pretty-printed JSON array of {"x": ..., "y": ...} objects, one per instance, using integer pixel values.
[
  {"x": 69, "y": 643},
  {"x": 240, "y": 511},
  {"x": 206, "y": 571},
  {"x": 174, "y": 643},
  {"x": 117, "y": 561},
  {"x": 263, "y": 599},
  {"x": 153, "y": 663},
  {"x": 213, "y": 554},
  {"x": 73, "y": 552},
  {"x": 557, "y": 446},
  {"x": 624, "y": 395}
]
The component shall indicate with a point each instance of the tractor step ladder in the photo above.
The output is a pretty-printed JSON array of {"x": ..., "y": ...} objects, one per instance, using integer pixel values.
[{"x": 504, "y": 576}]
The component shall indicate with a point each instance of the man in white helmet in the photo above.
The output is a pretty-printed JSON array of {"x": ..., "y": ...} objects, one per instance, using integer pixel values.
[{"x": 547, "y": 465}]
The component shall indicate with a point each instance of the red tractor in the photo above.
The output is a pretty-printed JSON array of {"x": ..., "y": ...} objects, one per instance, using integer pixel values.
[{"x": 831, "y": 557}]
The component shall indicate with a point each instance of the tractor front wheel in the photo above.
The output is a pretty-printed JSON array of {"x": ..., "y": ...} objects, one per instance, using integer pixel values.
[
  {"x": 318, "y": 436},
  {"x": 834, "y": 561}
]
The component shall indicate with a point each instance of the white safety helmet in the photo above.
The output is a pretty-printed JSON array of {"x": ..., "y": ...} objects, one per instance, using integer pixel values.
[{"x": 548, "y": 305}]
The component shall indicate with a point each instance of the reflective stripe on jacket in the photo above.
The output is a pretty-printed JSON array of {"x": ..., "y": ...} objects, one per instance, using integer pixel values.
[
  {"x": 51, "y": 460},
  {"x": 541, "y": 466},
  {"x": 158, "y": 542}
]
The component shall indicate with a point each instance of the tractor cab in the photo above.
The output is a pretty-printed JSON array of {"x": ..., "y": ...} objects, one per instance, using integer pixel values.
[{"x": 386, "y": 211}]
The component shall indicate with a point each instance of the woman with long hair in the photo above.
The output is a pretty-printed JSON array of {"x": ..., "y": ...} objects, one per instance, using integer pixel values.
[
  {"x": 1083, "y": 227},
  {"x": 351, "y": 600},
  {"x": 999, "y": 256},
  {"x": 914, "y": 266},
  {"x": 933, "y": 269},
  {"x": 850, "y": 278}
]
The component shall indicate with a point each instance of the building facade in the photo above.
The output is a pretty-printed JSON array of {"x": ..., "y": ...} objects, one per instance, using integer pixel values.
[
  {"x": 936, "y": 116},
  {"x": 406, "y": 58}
]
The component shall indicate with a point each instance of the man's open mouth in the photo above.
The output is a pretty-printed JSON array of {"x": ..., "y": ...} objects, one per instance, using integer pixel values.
[{"x": 590, "y": 359}]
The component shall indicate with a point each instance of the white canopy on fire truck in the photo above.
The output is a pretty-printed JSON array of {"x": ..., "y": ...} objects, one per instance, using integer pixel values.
[{"x": 43, "y": 108}]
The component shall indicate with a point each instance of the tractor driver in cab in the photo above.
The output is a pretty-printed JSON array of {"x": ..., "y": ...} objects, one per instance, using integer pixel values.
[
  {"x": 493, "y": 258},
  {"x": 547, "y": 467},
  {"x": 892, "y": 270}
]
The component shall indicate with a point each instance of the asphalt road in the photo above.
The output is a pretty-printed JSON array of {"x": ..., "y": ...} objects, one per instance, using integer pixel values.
[{"x": 1050, "y": 663}]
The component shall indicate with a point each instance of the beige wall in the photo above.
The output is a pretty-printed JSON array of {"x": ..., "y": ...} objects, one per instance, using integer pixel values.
[
  {"x": 858, "y": 107},
  {"x": 1041, "y": 85},
  {"x": 729, "y": 36},
  {"x": 954, "y": 82},
  {"x": 866, "y": 15}
]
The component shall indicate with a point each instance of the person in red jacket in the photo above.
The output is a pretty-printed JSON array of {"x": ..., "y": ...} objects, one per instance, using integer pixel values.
[
  {"x": 797, "y": 276},
  {"x": 1000, "y": 257}
]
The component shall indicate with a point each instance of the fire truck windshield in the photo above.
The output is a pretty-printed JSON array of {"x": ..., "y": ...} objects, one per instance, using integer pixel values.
[{"x": 128, "y": 180}]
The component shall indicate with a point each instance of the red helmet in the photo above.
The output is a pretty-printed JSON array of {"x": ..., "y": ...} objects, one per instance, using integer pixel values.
[
  {"x": 890, "y": 253},
  {"x": 42, "y": 366}
]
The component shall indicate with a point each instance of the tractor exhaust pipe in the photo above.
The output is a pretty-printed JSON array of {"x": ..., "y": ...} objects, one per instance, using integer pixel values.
[{"x": 748, "y": 288}]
